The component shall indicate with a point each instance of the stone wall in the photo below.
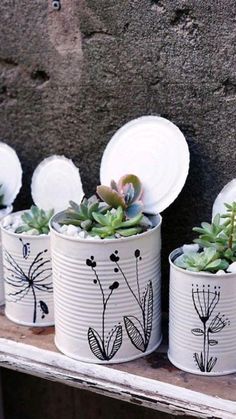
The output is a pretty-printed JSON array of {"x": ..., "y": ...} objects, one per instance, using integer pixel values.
[{"x": 70, "y": 78}]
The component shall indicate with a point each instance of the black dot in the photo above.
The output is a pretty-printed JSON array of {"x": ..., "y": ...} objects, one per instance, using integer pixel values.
[
  {"x": 95, "y": 281},
  {"x": 140, "y": 258},
  {"x": 116, "y": 270},
  {"x": 92, "y": 257},
  {"x": 116, "y": 252}
]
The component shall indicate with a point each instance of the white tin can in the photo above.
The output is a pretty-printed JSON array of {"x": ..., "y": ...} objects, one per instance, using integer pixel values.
[
  {"x": 107, "y": 296},
  {"x": 3, "y": 213},
  {"x": 202, "y": 321},
  {"x": 28, "y": 278}
]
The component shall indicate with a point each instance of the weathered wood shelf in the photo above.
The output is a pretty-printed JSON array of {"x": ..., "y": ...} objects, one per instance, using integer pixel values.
[{"x": 150, "y": 381}]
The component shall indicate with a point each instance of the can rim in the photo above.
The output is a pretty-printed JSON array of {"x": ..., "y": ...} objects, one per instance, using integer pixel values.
[
  {"x": 178, "y": 251},
  {"x": 21, "y": 235},
  {"x": 119, "y": 240}
]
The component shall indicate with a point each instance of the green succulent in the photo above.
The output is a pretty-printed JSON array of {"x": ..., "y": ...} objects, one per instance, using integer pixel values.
[
  {"x": 220, "y": 234},
  {"x": 217, "y": 241},
  {"x": 36, "y": 221},
  {"x": 126, "y": 194},
  {"x": 113, "y": 222},
  {"x": 207, "y": 260},
  {"x": 1, "y": 200},
  {"x": 82, "y": 215}
]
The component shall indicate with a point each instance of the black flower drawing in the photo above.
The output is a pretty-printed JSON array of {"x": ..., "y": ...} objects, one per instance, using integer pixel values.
[
  {"x": 205, "y": 302},
  {"x": 25, "y": 249},
  {"x": 138, "y": 329},
  {"x": 104, "y": 347},
  {"x": 36, "y": 278}
]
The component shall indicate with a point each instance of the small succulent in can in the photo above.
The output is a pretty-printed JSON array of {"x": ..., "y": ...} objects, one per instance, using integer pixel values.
[
  {"x": 114, "y": 223},
  {"x": 81, "y": 215},
  {"x": 35, "y": 221},
  {"x": 217, "y": 244},
  {"x": 118, "y": 212}
]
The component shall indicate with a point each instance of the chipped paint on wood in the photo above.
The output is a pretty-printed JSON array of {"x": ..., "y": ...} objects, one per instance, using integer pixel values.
[{"x": 113, "y": 383}]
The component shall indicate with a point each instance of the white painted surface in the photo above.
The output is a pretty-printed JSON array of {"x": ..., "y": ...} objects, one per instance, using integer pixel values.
[
  {"x": 110, "y": 382},
  {"x": 195, "y": 298},
  {"x": 28, "y": 279},
  {"x": 107, "y": 296}
]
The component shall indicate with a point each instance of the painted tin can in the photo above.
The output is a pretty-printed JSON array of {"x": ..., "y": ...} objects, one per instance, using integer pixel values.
[
  {"x": 28, "y": 278},
  {"x": 202, "y": 321},
  {"x": 107, "y": 296},
  {"x": 4, "y": 212}
]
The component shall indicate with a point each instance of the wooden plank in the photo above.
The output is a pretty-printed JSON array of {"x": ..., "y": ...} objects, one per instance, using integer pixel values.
[{"x": 150, "y": 382}]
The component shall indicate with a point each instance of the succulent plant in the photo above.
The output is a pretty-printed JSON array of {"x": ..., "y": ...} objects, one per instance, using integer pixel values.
[
  {"x": 207, "y": 260},
  {"x": 126, "y": 194},
  {"x": 82, "y": 215},
  {"x": 217, "y": 241},
  {"x": 35, "y": 221},
  {"x": 1, "y": 200},
  {"x": 220, "y": 234},
  {"x": 113, "y": 222}
]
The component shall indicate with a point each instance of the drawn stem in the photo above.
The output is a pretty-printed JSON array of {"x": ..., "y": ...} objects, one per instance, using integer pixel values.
[
  {"x": 103, "y": 311},
  {"x": 204, "y": 346},
  {"x": 127, "y": 283},
  {"x": 35, "y": 305},
  {"x": 138, "y": 280},
  {"x": 208, "y": 345}
]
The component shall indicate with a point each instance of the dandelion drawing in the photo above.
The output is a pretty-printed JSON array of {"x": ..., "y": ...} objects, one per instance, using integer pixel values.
[
  {"x": 36, "y": 278},
  {"x": 205, "y": 302},
  {"x": 138, "y": 329},
  {"x": 104, "y": 347}
]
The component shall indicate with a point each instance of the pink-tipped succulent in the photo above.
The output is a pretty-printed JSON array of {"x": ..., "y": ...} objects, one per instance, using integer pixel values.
[{"x": 126, "y": 193}]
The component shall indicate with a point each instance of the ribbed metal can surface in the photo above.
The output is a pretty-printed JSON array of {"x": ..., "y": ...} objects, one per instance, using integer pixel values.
[
  {"x": 107, "y": 296},
  {"x": 202, "y": 321},
  {"x": 28, "y": 278},
  {"x": 3, "y": 213}
]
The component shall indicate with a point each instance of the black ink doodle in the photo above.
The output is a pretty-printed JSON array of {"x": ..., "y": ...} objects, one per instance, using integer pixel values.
[
  {"x": 205, "y": 302},
  {"x": 104, "y": 347},
  {"x": 32, "y": 280},
  {"x": 138, "y": 330}
]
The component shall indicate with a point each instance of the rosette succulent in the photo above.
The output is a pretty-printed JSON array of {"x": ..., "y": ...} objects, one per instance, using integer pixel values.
[
  {"x": 35, "y": 221},
  {"x": 217, "y": 241},
  {"x": 81, "y": 215},
  {"x": 114, "y": 223},
  {"x": 118, "y": 212},
  {"x": 126, "y": 194}
]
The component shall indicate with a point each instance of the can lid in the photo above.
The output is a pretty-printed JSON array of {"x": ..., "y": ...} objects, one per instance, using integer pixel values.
[
  {"x": 56, "y": 181},
  {"x": 227, "y": 195},
  {"x": 155, "y": 150},
  {"x": 10, "y": 173}
]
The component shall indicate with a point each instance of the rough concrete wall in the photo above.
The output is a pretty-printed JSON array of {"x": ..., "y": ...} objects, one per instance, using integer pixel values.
[{"x": 70, "y": 79}]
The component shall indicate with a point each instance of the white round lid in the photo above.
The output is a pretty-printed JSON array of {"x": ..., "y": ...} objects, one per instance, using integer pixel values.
[
  {"x": 226, "y": 196},
  {"x": 155, "y": 150},
  {"x": 56, "y": 181},
  {"x": 10, "y": 174}
]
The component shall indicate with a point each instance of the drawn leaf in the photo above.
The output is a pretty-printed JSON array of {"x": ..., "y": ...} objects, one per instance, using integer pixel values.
[
  {"x": 213, "y": 342},
  {"x": 95, "y": 343},
  {"x": 197, "y": 332},
  {"x": 115, "y": 340},
  {"x": 211, "y": 363},
  {"x": 148, "y": 312},
  {"x": 199, "y": 361},
  {"x": 134, "y": 333},
  {"x": 43, "y": 307}
]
